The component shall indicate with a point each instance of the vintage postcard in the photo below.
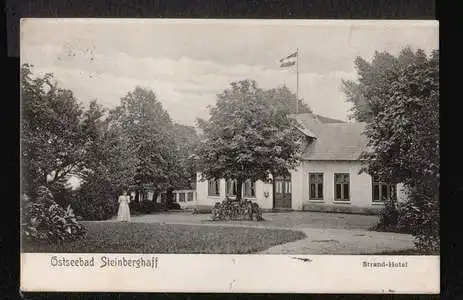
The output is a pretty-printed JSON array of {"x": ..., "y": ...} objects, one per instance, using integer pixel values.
[{"x": 265, "y": 156}]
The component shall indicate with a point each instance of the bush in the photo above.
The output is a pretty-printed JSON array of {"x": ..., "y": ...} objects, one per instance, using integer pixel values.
[
  {"x": 44, "y": 220},
  {"x": 96, "y": 199},
  {"x": 173, "y": 205},
  {"x": 421, "y": 216},
  {"x": 145, "y": 207},
  {"x": 389, "y": 218},
  {"x": 63, "y": 196},
  {"x": 236, "y": 210}
]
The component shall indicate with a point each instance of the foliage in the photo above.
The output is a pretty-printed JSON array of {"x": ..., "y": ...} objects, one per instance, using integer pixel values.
[
  {"x": 64, "y": 195},
  {"x": 388, "y": 217},
  {"x": 391, "y": 219},
  {"x": 44, "y": 220},
  {"x": 374, "y": 80},
  {"x": 109, "y": 154},
  {"x": 285, "y": 99},
  {"x": 421, "y": 216},
  {"x": 398, "y": 97},
  {"x": 148, "y": 128},
  {"x": 186, "y": 140},
  {"x": 173, "y": 205},
  {"x": 51, "y": 135},
  {"x": 145, "y": 207},
  {"x": 236, "y": 210},
  {"x": 96, "y": 199},
  {"x": 246, "y": 137},
  {"x": 109, "y": 164}
]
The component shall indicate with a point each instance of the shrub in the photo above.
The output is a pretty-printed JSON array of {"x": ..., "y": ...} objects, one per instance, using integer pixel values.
[
  {"x": 96, "y": 199},
  {"x": 421, "y": 216},
  {"x": 63, "y": 196},
  {"x": 388, "y": 217},
  {"x": 173, "y": 205},
  {"x": 44, "y": 220},
  {"x": 145, "y": 207},
  {"x": 236, "y": 210}
]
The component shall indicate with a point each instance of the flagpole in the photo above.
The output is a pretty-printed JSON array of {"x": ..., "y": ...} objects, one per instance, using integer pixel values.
[{"x": 297, "y": 78}]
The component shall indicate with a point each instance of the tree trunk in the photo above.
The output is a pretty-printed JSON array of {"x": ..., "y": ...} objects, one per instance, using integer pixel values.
[{"x": 239, "y": 184}]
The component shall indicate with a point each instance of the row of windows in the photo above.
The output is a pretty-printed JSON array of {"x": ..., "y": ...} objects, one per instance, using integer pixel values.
[
  {"x": 381, "y": 191},
  {"x": 181, "y": 197},
  {"x": 248, "y": 188}
]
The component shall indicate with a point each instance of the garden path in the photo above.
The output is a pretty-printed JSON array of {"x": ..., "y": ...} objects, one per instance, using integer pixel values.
[{"x": 327, "y": 233}]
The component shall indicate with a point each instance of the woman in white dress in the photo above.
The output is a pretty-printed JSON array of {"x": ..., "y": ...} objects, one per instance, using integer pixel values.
[{"x": 123, "y": 213}]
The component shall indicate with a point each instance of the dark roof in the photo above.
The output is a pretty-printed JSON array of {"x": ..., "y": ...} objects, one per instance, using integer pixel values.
[{"x": 332, "y": 141}]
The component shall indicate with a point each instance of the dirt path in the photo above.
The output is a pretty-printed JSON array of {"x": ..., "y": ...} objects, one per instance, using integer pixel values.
[
  {"x": 322, "y": 237},
  {"x": 343, "y": 241}
]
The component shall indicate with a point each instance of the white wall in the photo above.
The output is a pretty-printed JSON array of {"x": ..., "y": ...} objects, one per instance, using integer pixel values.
[
  {"x": 261, "y": 189},
  {"x": 360, "y": 184},
  {"x": 360, "y": 187},
  {"x": 297, "y": 190},
  {"x": 185, "y": 204},
  {"x": 202, "y": 194}
]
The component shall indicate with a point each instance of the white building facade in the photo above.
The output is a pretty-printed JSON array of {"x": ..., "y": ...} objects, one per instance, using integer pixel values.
[{"x": 329, "y": 177}]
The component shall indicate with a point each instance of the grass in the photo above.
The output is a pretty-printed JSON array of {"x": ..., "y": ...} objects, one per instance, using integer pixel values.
[{"x": 115, "y": 237}]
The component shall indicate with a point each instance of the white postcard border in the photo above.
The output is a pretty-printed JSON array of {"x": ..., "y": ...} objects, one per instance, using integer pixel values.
[{"x": 230, "y": 273}]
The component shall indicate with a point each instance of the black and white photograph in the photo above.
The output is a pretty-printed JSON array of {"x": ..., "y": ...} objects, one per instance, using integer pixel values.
[{"x": 232, "y": 137}]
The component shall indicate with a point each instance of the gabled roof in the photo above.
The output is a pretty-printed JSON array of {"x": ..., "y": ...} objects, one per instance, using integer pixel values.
[
  {"x": 326, "y": 120},
  {"x": 333, "y": 141}
]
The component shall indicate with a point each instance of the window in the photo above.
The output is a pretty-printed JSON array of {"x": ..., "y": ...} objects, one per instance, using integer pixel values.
[
  {"x": 288, "y": 187},
  {"x": 249, "y": 189},
  {"x": 214, "y": 187},
  {"x": 384, "y": 191},
  {"x": 181, "y": 197},
  {"x": 341, "y": 183},
  {"x": 190, "y": 196},
  {"x": 278, "y": 187},
  {"x": 316, "y": 186},
  {"x": 231, "y": 188}
]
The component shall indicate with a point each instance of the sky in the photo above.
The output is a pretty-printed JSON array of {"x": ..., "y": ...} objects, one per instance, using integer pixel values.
[{"x": 188, "y": 62}]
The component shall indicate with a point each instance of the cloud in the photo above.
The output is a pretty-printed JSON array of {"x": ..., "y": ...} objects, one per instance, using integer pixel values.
[{"x": 184, "y": 86}]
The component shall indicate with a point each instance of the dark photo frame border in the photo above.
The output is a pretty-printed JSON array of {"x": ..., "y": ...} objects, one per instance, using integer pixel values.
[{"x": 321, "y": 9}]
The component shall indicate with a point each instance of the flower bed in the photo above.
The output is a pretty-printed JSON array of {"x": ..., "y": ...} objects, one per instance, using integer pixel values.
[{"x": 236, "y": 210}]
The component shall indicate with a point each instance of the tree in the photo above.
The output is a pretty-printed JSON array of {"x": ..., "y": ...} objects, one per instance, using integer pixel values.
[
  {"x": 282, "y": 96},
  {"x": 398, "y": 97},
  {"x": 109, "y": 164},
  {"x": 246, "y": 137},
  {"x": 108, "y": 150},
  {"x": 149, "y": 129},
  {"x": 373, "y": 80},
  {"x": 186, "y": 140},
  {"x": 51, "y": 134}
]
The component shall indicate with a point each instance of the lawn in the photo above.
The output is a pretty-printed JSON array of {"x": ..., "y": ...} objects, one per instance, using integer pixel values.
[{"x": 115, "y": 237}]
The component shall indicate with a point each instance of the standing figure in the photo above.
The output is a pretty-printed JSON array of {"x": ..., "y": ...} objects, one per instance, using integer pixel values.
[{"x": 123, "y": 213}]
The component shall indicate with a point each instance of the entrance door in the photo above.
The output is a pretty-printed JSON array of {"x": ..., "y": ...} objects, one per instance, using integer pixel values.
[{"x": 282, "y": 188}]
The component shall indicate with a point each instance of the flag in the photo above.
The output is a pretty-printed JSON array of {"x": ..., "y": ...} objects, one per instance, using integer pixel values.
[{"x": 289, "y": 60}]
